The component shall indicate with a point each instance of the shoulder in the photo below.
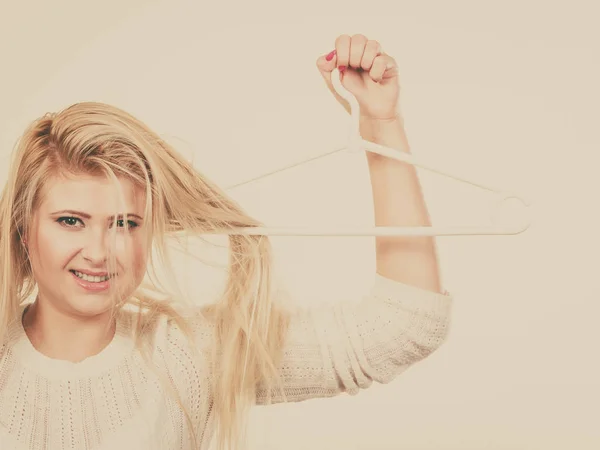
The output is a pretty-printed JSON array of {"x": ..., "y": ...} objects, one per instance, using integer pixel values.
[
  {"x": 12, "y": 332},
  {"x": 178, "y": 338},
  {"x": 184, "y": 346}
]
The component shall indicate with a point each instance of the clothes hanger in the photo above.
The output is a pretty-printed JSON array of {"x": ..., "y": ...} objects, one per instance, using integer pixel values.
[{"x": 357, "y": 143}]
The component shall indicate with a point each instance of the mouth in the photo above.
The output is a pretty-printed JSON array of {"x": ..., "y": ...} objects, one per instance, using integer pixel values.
[{"x": 92, "y": 282}]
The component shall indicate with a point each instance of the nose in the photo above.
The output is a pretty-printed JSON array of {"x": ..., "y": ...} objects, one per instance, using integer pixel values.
[{"x": 95, "y": 249}]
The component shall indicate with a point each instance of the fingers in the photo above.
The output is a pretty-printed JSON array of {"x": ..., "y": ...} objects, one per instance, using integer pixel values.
[
  {"x": 383, "y": 66},
  {"x": 356, "y": 52},
  {"x": 358, "y": 43},
  {"x": 359, "y": 53},
  {"x": 372, "y": 51},
  {"x": 326, "y": 63},
  {"x": 378, "y": 68}
]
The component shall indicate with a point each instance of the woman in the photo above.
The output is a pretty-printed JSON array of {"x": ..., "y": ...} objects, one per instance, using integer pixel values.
[{"x": 97, "y": 361}]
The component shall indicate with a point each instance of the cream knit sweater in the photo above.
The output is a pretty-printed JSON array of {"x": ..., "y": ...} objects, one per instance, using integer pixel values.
[{"x": 114, "y": 401}]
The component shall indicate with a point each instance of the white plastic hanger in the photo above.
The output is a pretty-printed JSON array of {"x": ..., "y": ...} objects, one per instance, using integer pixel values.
[{"x": 356, "y": 143}]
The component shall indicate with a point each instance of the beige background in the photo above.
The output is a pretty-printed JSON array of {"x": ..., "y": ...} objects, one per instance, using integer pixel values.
[{"x": 505, "y": 92}]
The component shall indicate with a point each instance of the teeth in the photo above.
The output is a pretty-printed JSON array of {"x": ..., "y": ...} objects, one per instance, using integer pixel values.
[{"x": 90, "y": 278}]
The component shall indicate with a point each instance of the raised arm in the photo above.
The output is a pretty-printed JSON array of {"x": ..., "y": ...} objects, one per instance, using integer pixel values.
[
  {"x": 406, "y": 316},
  {"x": 372, "y": 77}
]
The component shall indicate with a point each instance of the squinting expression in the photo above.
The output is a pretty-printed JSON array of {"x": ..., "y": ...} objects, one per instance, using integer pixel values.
[{"x": 70, "y": 243}]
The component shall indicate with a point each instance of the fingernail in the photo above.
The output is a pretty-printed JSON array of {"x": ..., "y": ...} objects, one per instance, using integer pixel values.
[
  {"x": 342, "y": 68},
  {"x": 330, "y": 56}
]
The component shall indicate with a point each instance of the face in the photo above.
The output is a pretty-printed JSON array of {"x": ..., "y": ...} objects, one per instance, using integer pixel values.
[{"x": 71, "y": 240}]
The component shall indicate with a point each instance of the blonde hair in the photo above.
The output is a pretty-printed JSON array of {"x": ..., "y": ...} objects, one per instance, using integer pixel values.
[{"x": 99, "y": 139}]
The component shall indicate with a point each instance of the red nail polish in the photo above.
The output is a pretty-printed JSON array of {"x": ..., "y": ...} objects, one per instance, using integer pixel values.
[
  {"x": 342, "y": 68},
  {"x": 330, "y": 56}
]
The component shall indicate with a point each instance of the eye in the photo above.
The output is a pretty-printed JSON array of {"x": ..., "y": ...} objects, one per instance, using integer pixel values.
[
  {"x": 130, "y": 223},
  {"x": 69, "y": 222}
]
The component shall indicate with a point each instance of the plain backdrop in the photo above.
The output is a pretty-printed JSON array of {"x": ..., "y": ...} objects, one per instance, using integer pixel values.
[{"x": 503, "y": 92}]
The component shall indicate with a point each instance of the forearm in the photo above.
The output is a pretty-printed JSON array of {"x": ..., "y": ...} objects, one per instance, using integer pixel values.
[{"x": 398, "y": 201}]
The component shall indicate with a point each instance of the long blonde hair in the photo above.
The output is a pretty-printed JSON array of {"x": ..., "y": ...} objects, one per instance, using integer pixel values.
[{"x": 95, "y": 138}]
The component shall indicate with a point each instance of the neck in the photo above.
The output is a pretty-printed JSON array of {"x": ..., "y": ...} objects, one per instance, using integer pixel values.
[{"x": 66, "y": 337}]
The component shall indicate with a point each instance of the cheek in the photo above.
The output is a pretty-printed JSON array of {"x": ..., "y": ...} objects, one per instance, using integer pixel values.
[
  {"x": 133, "y": 256},
  {"x": 140, "y": 261},
  {"x": 50, "y": 249}
]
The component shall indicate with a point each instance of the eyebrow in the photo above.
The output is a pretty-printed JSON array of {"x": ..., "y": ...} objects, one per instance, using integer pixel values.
[{"x": 87, "y": 216}]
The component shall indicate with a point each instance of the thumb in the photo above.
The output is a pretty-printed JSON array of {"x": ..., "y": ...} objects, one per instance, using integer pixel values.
[{"x": 326, "y": 65}]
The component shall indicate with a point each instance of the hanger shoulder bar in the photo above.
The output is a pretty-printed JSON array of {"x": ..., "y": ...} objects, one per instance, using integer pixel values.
[
  {"x": 373, "y": 231},
  {"x": 411, "y": 159}
]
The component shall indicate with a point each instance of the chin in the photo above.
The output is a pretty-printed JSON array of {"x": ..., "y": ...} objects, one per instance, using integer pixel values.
[
  {"x": 91, "y": 305},
  {"x": 92, "y": 299}
]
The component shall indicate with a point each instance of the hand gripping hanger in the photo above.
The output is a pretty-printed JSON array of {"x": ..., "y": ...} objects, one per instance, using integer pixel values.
[{"x": 356, "y": 143}]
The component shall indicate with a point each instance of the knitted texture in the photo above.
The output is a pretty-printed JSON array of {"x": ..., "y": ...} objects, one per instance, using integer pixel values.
[{"x": 115, "y": 400}]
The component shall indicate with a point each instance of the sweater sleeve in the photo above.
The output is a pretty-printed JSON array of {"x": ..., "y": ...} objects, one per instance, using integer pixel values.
[{"x": 344, "y": 348}]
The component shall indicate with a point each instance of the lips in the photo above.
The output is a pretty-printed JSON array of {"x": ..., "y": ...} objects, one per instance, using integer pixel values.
[
  {"x": 91, "y": 286},
  {"x": 90, "y": 273}
]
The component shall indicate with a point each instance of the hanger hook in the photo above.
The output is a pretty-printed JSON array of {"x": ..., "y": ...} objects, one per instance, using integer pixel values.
[{"x": 355, "y": 140}]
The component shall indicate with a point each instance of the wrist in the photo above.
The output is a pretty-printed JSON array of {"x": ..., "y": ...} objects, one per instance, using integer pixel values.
[
  {"x": 374, "y": 128},
  {"x": 368, "y": 119}
]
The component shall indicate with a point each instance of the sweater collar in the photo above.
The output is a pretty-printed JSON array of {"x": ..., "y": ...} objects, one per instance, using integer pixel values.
[{"x": 118, "y": 348}]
